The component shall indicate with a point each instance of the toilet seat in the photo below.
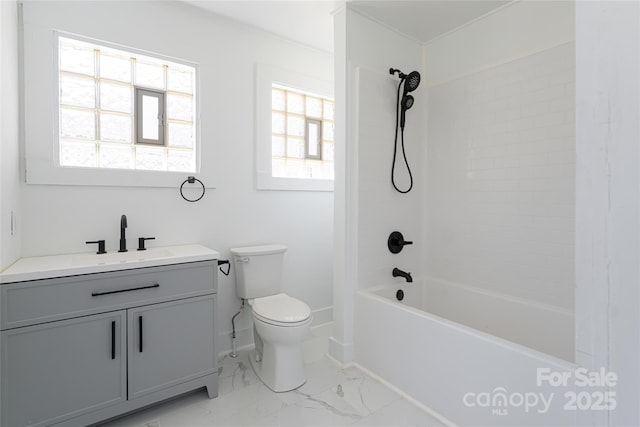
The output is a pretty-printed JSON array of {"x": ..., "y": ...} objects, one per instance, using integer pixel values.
[{"x": 281, "y": 310}]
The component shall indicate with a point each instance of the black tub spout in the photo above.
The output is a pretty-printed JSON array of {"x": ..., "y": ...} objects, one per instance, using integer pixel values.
[{"x": 399, "y": 273}]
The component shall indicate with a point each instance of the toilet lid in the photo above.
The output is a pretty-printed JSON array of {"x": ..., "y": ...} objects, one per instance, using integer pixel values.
[{"x": 281, "y": 308}]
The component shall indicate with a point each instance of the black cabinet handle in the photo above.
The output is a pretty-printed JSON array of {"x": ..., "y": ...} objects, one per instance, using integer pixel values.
[
  {"x": 140, "y": 333},
  {"x": 97, "y": 294},
  {"x": 113, "y": 340}
]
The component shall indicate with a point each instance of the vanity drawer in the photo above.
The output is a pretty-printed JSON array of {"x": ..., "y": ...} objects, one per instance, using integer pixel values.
[{"x": 39, "y": 301}]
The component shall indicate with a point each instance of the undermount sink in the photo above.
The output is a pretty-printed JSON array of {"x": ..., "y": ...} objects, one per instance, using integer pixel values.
[
  {"x": 46, "y": 267},
  {"x": 120, "y": 257}
]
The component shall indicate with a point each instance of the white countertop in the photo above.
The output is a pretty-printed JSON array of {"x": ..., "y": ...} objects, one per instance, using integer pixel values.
[{"x": 46, "y": 267}]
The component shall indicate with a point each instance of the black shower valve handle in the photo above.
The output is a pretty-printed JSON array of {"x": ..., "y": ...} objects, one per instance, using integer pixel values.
[{"x": 396, "y": 242}]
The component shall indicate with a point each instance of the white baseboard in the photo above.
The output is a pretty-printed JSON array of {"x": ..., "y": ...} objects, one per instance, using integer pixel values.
[
  {"x": 387, "y": 384},
  {"x": 340, "y": 352},
  {"x": 244, "y": 338},
  {"x": 321, "y": 324},
  {"x": 322, "y": 316}
]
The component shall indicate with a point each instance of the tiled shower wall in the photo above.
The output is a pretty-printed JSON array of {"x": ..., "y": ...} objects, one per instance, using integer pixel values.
[{"x": 500, "y": 178}]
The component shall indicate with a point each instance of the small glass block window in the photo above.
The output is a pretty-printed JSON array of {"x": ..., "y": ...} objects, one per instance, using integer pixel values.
[
  {"x": 79, "y": 154},
  {"x": 180, "y": 80},
  {"x": 115, "y": 68},
  {"x": 77, "y": 123},
  {"x": 78, "y": 58},
  {"x": 115, "y": 97},
  {"x": 301, "y": 134},
  {"x": 180, "y": 135},
  {"x": 115, "y": 156},
  {"x": 178, "y": 160},
  {"x": 105, "y": 122},
  {"x": 150, "y": 75},
  {"x": 77, "y": 91}
]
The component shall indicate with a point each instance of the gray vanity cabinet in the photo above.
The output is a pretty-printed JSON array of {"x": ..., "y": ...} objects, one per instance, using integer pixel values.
[
  {"x": 156, "y": 362},
  {"x": 60, "y": 369},
  {"x": 81, "y": 349}
]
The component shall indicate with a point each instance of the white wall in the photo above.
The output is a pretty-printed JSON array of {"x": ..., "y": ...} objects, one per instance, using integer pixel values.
[
  {"x": 500, "y": 167},
  {"x": 518, "y": 29},
  {"x": 368, "y": 209},
  {"x": 59, "y": 219},
  {"x": 341, "y": 340},
  {"x": 371, "y": 51},
  {"x": 500, "y": 175},
  {"x": 608, "y": 199},
  {"x": 10, "y": 241}
]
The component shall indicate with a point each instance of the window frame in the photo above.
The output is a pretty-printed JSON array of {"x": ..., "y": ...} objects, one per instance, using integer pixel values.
[
  {"x": 42, "y": 145},
  {"x": 266, "y": 77},
  {"x": 307, "y": 141},
  {"x": 160, "y": 95}
]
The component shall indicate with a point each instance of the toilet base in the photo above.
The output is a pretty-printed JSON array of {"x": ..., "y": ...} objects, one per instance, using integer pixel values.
[{"x": 287, "y": 376}]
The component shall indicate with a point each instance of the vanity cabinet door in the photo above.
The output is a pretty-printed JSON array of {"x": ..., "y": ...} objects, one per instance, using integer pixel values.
[
  {"x": 170, "y": 343},
  {"x": 56, "y": 370}
]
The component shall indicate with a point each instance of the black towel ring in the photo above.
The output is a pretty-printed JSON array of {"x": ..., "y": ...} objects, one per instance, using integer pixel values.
[{"x": 191, "y": 180}]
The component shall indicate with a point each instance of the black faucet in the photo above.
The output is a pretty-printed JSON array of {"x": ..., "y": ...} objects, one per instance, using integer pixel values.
[
  {"x": 123, "y": 239},
  {"x": 399, "y": 273}
]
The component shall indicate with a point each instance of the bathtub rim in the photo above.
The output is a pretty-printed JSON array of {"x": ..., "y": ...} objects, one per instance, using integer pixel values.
[{"x": 485, "y": 336}]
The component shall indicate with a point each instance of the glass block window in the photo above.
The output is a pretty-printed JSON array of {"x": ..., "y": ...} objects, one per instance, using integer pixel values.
[
  {"x": 302, "y": 127},
  {"x": 124, "y": 110}
]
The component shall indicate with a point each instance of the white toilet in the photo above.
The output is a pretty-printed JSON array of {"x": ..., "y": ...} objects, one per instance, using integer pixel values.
[{"x": 280, "y": 322}]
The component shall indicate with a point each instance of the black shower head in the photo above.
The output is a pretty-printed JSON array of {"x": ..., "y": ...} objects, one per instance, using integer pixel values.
[
  {"x": 411, "y": 81},
  {"x": 405, "y": 104}
]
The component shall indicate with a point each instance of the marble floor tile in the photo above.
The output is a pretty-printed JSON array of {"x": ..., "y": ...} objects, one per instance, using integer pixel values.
[
  {"x": 322, "y": 375},
  {"x": 251, "y": 403},
  {"x": 324, "y": 409},
  {"x": 235, "y": 373},
  {"x": 400, "y": 413},
  {"x": 364, "y": 393},
  {"x": 332, "y": 396},
  {"x": 183, "y": 411}
]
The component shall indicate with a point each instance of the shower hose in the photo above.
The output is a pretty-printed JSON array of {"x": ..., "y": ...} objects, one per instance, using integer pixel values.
[{"x": 395, "y": 149}]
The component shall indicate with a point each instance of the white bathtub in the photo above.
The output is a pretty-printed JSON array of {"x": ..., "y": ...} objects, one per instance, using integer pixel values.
[
  {"x": 462, "y": 372},
  {"x": 541, "y": 327}
]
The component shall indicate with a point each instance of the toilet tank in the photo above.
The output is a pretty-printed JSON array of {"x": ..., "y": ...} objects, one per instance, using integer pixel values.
[{"x": 258, "y": 270}]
